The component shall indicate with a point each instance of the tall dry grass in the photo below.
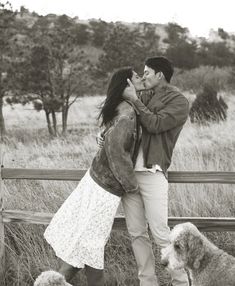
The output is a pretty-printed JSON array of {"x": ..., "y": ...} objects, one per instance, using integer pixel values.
[{"x": 28, "y": 145}]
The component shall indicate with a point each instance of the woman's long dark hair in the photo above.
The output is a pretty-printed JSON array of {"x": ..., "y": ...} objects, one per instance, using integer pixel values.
[{"x": 115, "y": 89}]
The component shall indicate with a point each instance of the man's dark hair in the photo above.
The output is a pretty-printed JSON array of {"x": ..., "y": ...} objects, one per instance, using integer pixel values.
[{"x": 161, "y": 64}]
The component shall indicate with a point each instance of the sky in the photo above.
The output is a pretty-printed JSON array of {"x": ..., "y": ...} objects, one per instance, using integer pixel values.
[{"x": 199, "y": 16}]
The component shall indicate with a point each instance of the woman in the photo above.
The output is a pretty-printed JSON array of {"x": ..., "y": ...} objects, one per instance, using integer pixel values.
[{"x": 80, "y": 229}]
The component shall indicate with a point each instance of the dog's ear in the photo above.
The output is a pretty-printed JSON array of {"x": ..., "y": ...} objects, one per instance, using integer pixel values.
[{"x": 195, "y": 250}]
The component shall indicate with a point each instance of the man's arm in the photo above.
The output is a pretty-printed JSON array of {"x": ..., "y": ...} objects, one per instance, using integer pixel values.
[
  {"x": 173, "y": 114},
  {"x": 117, "y": 144}
]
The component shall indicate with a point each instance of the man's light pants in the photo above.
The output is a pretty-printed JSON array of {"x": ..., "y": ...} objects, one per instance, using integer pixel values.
[{"x": 149, "y": 206}]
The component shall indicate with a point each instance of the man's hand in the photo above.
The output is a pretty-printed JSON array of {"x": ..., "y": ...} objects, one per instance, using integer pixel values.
[
  {"x": 129, "y": 92},
  {"x": 100, "y": 139}
]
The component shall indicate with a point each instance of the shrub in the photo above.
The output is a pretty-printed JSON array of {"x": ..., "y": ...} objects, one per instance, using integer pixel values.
[{"x": 208, "y": 107}]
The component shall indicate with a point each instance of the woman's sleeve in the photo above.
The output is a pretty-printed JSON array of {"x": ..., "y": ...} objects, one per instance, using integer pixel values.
[{"x": 117, "y": 145}]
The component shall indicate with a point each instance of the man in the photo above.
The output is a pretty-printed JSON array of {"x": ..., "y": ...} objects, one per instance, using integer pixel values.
[{"x": 162, "y": 116}]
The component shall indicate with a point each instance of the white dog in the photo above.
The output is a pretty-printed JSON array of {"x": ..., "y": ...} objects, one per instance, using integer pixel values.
[
  {"x": 51, "y": 278},
  {"x": 208, "y": 265}
]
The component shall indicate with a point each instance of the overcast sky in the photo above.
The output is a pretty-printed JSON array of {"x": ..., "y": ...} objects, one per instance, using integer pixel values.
[{"x": 199, "y": 15}]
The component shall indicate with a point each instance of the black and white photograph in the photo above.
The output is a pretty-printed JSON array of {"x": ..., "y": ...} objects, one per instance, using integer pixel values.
[{"x": 117, "y": 143}]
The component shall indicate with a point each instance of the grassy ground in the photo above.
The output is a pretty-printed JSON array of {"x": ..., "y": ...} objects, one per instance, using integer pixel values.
[{"x": 28, "y": 145}]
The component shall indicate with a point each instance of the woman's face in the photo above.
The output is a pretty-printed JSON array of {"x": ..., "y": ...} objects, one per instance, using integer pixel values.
[{"x": 137, "y": 81}]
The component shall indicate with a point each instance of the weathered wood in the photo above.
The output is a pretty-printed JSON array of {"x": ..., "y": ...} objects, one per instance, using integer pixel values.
[
  {"x": 43, "y": 174},
  {"x": 2, "y": 232},
  {"x": 202, "y": 177},
  {"x": 30, "y": 217},
  {"x": 205, "y": 224},
  {"x": 76, "y": 175}
]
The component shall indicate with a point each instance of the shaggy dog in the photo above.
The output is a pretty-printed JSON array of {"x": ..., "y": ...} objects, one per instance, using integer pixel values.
[
  {"x": 51, "y": 278},
  {"x": 208, "y": 265}
]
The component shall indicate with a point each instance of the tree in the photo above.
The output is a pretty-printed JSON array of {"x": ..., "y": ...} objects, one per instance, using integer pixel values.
[
  {"x": 100, "y": 30},
  {"x": 183, "y": 54},
  {"x": 55, "y": 72},
  {"x": 151, "y": 39},
  {"x": 175, "y": 33},
  {"x": 38, "y": 81},
  {"x": 7, "y": 20},
  {"x": 216, "y": 54},
  {"x": 122, "y": 47},
  {"x": 70, "y": 66},
  {"x": 81, "y": 33},
  {"x": 182, "y": 51},
  {"x": 23, "y": 11},
  {"x": 223, "y": 34}
]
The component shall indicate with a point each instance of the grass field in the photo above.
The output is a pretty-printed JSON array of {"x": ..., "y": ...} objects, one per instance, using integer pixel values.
[{"x": 201, "y": 148}]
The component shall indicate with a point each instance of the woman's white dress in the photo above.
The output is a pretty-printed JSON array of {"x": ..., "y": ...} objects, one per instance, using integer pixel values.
[{"x": 81, "y": 227}]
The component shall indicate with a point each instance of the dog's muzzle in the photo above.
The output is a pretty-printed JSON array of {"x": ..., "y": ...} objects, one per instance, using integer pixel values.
[
  {"x": 164, "y": 262},
  {"x": 164, "y": 256}
]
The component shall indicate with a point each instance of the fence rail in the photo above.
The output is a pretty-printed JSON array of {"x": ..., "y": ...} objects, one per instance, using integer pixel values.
[
  {"x": 203, "y": 223},
  {"x": 76, "y": 175},
  {"x": 31, "y": 217}
]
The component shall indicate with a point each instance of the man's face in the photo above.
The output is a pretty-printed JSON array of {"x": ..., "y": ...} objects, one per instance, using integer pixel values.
[
  {"x": 150, "y": 78},
  {"x": 137, "y": 81}
]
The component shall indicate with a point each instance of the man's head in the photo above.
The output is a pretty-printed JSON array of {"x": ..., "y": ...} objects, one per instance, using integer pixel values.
[{"x": 156, "y": 70}]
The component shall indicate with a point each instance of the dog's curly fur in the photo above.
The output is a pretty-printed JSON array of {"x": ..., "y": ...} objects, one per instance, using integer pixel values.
[
  {"x": 51, "y": 278},
  {"x": 207, "y": 264}
]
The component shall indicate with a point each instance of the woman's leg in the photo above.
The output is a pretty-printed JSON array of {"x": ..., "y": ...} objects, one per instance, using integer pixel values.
[
  {"x": 95, "y": 277},
  {"x": 68, "y": 271}
]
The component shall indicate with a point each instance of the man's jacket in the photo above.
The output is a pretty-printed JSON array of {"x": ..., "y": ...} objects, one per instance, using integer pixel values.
[
  {"x": 113, "y": 166},
  {"x": 162, "y": 117}
]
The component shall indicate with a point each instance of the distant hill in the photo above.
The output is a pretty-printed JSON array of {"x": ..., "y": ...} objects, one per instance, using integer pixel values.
[
  {"x": 113, "y": 44},
  {"x": 28, "y": 19}
]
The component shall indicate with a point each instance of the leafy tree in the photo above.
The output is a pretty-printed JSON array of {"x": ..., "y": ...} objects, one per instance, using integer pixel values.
[
  {"x": 216, "y": 54},
  {"x": 123, "y": 47},
  {"x": 175, "y": 33},
  {"x": 41, "y": 30},
  {"x": 150, "y": 40},
  {"x": 7, "y": 20},
  {"x": 23, "y": 11},
  {"x": 100, "y": 29},
  {"x": 81, "y": 33},
  {"x": 223, "y": 34},
  {"x": 183, "y": 54},
  {"x": 37, "y": 85},
  {"x": 181, "y": 50},
  {"x": 71, "y": 66},
  {"x": 55, "y": 72}
]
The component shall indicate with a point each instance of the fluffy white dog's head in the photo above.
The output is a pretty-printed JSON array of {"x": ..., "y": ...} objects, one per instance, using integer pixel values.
[
  {"x": 186, "y": 249},
  {"x": 51, "y": 278}
]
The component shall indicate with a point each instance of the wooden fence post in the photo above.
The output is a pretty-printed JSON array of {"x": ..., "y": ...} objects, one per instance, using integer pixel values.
[{"x": 2, "y": 235}]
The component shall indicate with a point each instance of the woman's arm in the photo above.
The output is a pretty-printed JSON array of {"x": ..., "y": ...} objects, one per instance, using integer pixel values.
[{"x": 118, "y": 143}]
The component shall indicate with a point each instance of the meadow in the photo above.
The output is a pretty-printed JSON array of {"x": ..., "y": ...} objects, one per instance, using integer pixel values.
[{"x": 28, "y": 145}]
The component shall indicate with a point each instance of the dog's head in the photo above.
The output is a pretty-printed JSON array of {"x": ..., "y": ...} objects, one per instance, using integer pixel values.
[
  {"x": 51, "y": 278},
  {"x": 186, "y": 248}
]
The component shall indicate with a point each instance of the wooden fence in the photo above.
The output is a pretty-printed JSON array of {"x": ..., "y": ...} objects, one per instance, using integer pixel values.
[{"x": 30, "y": 217}]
